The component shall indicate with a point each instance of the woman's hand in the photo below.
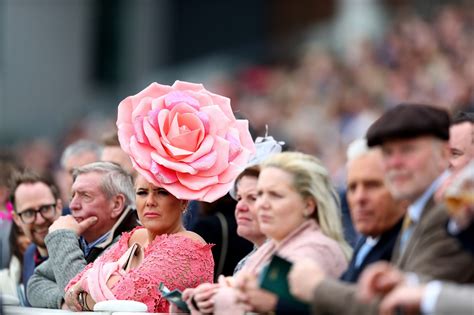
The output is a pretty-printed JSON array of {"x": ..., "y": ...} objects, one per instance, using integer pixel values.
[
  {"x": 304, "y": 277},
  {"x": 71, "y": 299},
  {"x": 252, "y": 297},
  {"x": 201, "y": 297}
]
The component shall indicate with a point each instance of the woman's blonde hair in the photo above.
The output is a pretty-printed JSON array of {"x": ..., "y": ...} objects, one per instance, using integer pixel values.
[{"x": 311, "y": 180}]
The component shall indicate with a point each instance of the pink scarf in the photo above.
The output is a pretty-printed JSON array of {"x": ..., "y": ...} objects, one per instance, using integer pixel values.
[{"x": 94, "y": 281}]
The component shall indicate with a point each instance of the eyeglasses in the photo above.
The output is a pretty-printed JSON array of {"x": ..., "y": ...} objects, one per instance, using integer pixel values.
[{"x": 28, "y": 216}]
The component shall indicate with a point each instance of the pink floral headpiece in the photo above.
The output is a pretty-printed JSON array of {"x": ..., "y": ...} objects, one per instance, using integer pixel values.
[{"x": 184, "y": 139}]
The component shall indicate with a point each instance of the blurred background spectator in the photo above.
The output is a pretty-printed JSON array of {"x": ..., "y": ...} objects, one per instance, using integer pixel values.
[{"x": 316, "y": 72}]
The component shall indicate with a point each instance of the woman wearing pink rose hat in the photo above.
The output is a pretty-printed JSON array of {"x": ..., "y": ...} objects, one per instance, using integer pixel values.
[{"x": 185, "y": 144}]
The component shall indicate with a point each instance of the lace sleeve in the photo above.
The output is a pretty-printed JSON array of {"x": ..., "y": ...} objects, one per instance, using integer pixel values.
[
  {"x": 112, "y": 254},
  {"x": 177, "y": 261}
]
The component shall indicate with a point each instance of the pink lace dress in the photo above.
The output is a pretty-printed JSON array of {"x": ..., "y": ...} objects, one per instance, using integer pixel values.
[{"x": 176, "y": 260}]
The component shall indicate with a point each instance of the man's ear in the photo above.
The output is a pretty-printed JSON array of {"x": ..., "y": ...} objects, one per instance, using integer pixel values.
[
  {"x": 16, "y": 218},
  {"x": 118, "y": 202}
]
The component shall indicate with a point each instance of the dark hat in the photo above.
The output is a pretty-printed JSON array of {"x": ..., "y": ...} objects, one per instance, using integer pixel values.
[{"x": 409, "y": 121}]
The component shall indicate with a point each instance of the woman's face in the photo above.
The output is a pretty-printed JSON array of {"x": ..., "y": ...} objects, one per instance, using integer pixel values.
[
  {"x": 281, "y": 209},
  {"x": 246, "y": 212},
  {"x": 158, "y": 210}
]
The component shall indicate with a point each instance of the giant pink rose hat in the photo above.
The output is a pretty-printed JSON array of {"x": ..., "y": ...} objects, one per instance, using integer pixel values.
[{"x": 184, "y": 139}]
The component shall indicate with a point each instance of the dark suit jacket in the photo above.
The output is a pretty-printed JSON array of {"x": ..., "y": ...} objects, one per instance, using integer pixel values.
[
  {"x": 430, "y": 253},
  {"x": 381, "y": 251},
  {"x": 466, "y": 238}
]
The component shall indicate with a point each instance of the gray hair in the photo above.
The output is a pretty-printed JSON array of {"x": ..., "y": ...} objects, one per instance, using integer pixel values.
[
  {"x": 80, "y": 147},
  {"x": 356, "y": 149},
  {"x": 114, "y": 182}
]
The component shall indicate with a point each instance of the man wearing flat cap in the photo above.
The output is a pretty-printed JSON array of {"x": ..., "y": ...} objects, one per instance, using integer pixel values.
[{"x": 414, "y": 142}]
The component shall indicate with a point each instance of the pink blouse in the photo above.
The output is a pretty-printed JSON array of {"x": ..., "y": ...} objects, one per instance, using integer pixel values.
[{"x": 176, "y": 260}]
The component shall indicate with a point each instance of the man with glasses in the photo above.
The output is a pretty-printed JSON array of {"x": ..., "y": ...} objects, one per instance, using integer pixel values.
[{"x": 36, "y": 205}]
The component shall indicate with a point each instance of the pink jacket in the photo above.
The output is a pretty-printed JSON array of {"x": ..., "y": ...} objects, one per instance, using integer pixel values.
[{"x": 306, "y": 242}]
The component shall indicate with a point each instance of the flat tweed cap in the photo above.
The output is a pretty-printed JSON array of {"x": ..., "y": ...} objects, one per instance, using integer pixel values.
[{"x": 406, "y": 121}]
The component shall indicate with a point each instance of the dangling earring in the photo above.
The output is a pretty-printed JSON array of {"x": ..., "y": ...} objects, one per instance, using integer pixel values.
[{"x": 184, "y": 208}]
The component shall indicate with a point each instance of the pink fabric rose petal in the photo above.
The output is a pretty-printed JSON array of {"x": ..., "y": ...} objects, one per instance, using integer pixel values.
[
  {"x": 184, "y": 139},
  {"x": 142, "y": 153},
  {"x": 163, "y": 174},
  {"x": 221, "y": 146},
  {"x": 145, "y": 172},
  {"x": 163, "y": 122},
  {"x": 183, "y": 86},
  {"x": 245, "y": 137},
  {"x": 205, "y": 148},
  {"x": 188, "y": 141},
  {"x": 178, "y": 189},
  {"x": 154, "y": 138},
  {"x": 177, "y": 97},
  {"x": 158, "y": 103},
  {"x": 175, "y": 152},
  {"x": 153, "y": 117},
  {"x": 173, "y": 165},
  {"x": 204, "y": 99},
  {"x": 144, "y": 106},
  {"x": 235, "y": 147},
  {"x": 138, "y": 126},
  {"x": 224, "y": 104},
  {"x": 218, "y": 122},
  {"x": 205, "y": 162},
  {"x": 153, "y": 90},
  {"x": 125, "y": 110},
  {"x": 195, "y": 182},
  {"x": 217, "y": 191},
  {"x": 235, "y": 167},
  {"x": 205, "y": 121},
  {"x": 124, "y": 133}
]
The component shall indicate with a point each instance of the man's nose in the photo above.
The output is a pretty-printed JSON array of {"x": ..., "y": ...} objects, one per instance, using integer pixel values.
[
  {"x": 394, "y": 160},
  {"x": 359, "y": 194},
  {"x": 74, "y": 204}
]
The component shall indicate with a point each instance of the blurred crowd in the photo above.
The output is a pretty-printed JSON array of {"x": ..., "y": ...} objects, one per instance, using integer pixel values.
[
  {"x": 318, "y": 100},
  {"x": 320, "y": 103}
]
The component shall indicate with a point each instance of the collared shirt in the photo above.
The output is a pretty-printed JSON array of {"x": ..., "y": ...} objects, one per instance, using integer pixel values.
[
  {"x": 87, "y": 247},
  {"x": 416, "y": 208},
  {"x": 369, "y": 243}
]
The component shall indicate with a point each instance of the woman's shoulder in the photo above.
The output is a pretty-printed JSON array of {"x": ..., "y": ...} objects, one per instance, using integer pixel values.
[
  {"x": 310, "y": 238},
  {"x": 137, "y": 235},
  {"x": 193, "y": 236}
]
